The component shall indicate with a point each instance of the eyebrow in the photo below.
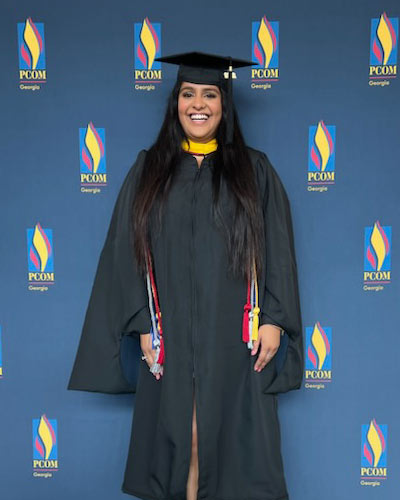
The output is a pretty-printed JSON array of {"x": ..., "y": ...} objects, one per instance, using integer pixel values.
[{"x": 207, "y": 89}]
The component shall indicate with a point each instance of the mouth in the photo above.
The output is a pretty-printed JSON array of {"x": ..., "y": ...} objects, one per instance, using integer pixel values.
[{"x": 199, "y": 117}]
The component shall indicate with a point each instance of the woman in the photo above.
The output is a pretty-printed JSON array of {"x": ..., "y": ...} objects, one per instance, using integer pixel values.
[{"x": 210, "y": 272}]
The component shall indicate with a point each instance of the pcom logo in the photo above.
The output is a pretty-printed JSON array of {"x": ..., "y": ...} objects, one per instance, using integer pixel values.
[
  {"x": 377, "y": 256},
  {"x": 147, "y": 46},
  {"x": 318, "y": 356},
  {"x": 383, "y": 50},
  {"x": 1, "y": 358},
  {"x": 373, "y": 453},
  {"x": 265, "y": 50},
  {"x": 45, "y": 449},
  {"x": 321, "y": 156},
  {"x": 31, "y": 52},
  {"x": 92, "y": 155},
  {"x": 40, "y": 258}
]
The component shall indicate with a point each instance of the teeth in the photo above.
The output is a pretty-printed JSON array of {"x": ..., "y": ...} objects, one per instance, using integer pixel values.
[{"x": 199, "y": 117}]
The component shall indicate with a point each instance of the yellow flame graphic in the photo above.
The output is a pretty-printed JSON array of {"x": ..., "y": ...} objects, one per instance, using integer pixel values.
[
  {"x": 378, "y": 245},
  {"x": 45, "y": 436},
  {"x": 148, "y": 43},
  {"x": 319, "y": 345},
  {"x": 375, "y": 442},
  {"x": 323, "y": 145},
  {"x": 32, "y": 42},
  {"x": 93, "y": 147},
  {"x": 41, "y": 248},
  {"x": 385, "y": 38},
  {"x": 266, "y": 41}
]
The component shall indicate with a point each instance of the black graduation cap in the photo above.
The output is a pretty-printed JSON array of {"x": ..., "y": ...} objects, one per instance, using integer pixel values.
[{"x": 202, "y": 68}]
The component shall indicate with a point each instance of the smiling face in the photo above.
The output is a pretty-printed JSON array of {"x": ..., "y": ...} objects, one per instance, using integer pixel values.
[{"x": 199, "y": 110}]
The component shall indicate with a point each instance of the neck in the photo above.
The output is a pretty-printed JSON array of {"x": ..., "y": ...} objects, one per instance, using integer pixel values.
[{"x": 199, "y": 148}]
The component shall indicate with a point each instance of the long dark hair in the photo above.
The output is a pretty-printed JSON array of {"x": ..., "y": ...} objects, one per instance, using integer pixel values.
[{"x": 245, "y": 237}]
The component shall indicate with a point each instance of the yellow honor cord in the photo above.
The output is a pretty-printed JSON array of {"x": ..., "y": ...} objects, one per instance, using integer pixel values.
[
  {"x": 256, "y": 309},
  {"x": 199, "y": 147}
]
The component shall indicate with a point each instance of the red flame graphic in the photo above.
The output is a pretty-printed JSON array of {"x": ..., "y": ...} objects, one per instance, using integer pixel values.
[
  {"x": 312, "y": 357},
  {"x": 367, "y": 454},
  {"x": 376, "y": 49},
  {"x": 141, "y": 55},
  {"x": 371, "y": 257},
  {"x": 53, "y": 435},
  {"x": 326, "y": 341},
  {"x": 381, "y": 438},
  {"x": 328, "y": 136},
  {"x": 37, "y": 34},
  {"x": 25, "y": 55},
  {"x": 153, "y": 32},
  {"x": 34, "y": 259},
  {"x": 258, "y": 54},
  {"x": 391, "y": 29},
  {"x": 86, "y": 160},
  {"x": 384, "y": 237},
  {"x": 271, "y": 32},
  {"x": 315, "y": 158},
  {"x": 98, "y": 139},
  {"x": 46, "y": 240},
  {"x": 370, "y": 253},
  {"x": 24, "y": 52},
  {"x": 32, "y": 252},
  {"x": 258, "y": 51},
  {"x": 367, "y": 449},
  {"x": 39, "y": 447}
]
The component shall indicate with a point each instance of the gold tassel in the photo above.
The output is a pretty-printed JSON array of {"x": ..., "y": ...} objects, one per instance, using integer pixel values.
[{"x": 256, "y": 309}]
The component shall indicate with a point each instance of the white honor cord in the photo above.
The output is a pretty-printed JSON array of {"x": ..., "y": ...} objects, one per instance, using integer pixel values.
[{"x": 153, "y": 321}]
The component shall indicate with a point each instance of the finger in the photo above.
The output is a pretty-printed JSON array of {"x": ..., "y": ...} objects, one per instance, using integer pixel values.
[
  {"x": 266, "y": 359},
  {"x": 149, "y": 357},
  {"x": 270, "y": 355},
  {"x": 256, "y": 344},
  {"x": 261, "y": 357},
  {"x": 157, "y": 375}
]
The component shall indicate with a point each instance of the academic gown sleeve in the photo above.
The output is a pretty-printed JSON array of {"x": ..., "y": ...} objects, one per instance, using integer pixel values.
[
  {"x": 118, "y": 303},
  {"x": 281, "y": 303}
]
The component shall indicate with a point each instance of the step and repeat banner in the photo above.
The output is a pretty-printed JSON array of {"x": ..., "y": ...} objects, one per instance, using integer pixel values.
[{"x": 81, "y": 96}]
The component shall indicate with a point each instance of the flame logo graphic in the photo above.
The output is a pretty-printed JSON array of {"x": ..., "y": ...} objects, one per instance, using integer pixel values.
[
  {"x": 375, "y": 444},
  {"x": 94, "y": 151},
  {"x": 379, "y": 248},
  {"x": 265, "y": 45},
  {"x": 319, "y": 348},
  {"x": 33, "y": 44},
  {"x": 322, "y": 149},
  {"x": 46, "y": 438},
  {"x": 40, "y": 250},
  {"x": 385, "y": 39},
  {"x": 149, "y": 44}
]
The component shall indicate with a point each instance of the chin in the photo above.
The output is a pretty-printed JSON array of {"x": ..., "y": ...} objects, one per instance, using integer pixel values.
[{"x": 200, "y": 136}]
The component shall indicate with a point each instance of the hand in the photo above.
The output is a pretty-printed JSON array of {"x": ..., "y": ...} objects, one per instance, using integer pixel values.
[
  {"x": 146, "y": 346},
  {"x": 270, "y": 338}
]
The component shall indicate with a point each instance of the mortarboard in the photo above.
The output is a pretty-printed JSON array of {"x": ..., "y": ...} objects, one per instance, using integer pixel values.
[{"x": 198, "y": 67}]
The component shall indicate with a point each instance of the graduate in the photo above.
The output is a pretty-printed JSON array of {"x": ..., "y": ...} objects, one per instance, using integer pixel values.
[{"x": 199, "y": 264}]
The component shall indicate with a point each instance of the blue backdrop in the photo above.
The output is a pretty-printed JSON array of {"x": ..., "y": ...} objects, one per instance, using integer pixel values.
[{"x": 324, "y": 106}]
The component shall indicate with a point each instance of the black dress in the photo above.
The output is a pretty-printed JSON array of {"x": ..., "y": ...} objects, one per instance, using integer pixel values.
[{"x": 202, "y": 309}]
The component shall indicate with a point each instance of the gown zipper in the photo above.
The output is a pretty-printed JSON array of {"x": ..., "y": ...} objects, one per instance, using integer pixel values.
[{"x": 192, "y": 273}]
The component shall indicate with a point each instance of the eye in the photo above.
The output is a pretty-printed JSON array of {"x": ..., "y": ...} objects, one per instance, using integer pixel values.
[
  {"x": 211, "y": 95},
  {"x": 187, "y": 93}
]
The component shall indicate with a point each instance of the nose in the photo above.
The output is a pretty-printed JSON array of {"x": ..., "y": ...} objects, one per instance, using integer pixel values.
[{"x": 198, "y": 102}]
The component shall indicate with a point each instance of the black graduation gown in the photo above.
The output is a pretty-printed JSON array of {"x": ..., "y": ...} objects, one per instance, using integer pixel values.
[{"x": 202, "y": 308}]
